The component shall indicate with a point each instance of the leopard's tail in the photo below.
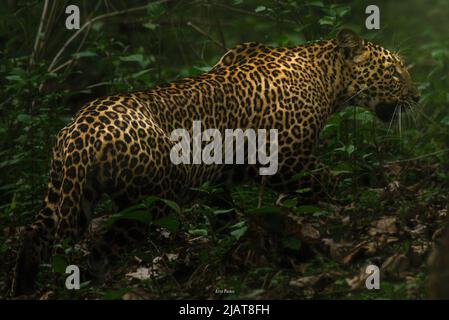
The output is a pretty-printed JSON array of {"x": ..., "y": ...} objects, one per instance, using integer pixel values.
[
  {"x": 63, "y": 215},
  {"x": 36, "y": 239}
]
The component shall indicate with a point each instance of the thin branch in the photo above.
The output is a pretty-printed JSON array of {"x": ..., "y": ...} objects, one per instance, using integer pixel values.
[
  {"x": 251, "y": 13},
  {"x": 51, "y": 16},
  {"x": 71, "y": 60},
  {"x": 89, "y": 22},
  {"x": 69, "y": 63},
  {"x": 220, "y": 29},
  {"x": 38, "y": 35},
  {"x": 242, "y": 11},
  {"x": 199, "y": 30},
  {"x": 62, "y": 65},
  {"x": 261, "y": 192},
  {"x": 419, "y": 157}
]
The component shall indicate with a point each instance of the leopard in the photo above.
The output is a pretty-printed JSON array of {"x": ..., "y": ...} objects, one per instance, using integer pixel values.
[{"x": 120, "y": 145}]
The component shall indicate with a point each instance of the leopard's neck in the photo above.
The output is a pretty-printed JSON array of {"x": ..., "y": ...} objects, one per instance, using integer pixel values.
[{"x": 328, "y": 65}]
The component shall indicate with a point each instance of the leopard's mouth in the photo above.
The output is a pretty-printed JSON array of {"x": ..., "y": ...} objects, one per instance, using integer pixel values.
[{"x": 387, "y": 111}]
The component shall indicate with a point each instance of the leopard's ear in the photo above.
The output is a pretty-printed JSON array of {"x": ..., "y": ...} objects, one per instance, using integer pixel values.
[
  {"x": 346, "y": 38},
  {"x": 351, "y": 43}
]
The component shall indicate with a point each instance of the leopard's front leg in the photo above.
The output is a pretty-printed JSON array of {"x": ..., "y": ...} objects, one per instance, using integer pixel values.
[{"x": 307, "y": 177}]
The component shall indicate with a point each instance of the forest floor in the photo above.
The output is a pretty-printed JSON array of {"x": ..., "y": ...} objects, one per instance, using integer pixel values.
[{"x": 250, "y": 252}]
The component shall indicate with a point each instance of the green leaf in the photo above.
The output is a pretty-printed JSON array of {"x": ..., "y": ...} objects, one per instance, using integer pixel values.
[
  {"x": 440, "y": 54},
  {"x": 150, "y": 25},
  {"x": 155, "y": 10},
  {"x": 445, "y": 120},
  {"x": 350, "y": 149},
  {"x": 303, "y": 190},
  {"x": 97, "y": 26},
  {"x": 327, "y": 21},
  {"x": 265, "y": 210},
  {"x": 201, "y": 69},
  {"x": 198, "y": 232},
  {"x": 341, "y": 168},
  {"x": 238, "y": 233},
  {"x": 84, "y": 54},
  {"x": 85, "y": 284},
  {"x": 223, "y": 211},
  {"x": 13, "y": 78},
  {"x": 115, "y": 295},
  {"x": 24, "y": 118},
  {"x": 149, "y": 202},
  {"x": 316, "y": 3},
  {"x": 308, "y": 209},
  {"x": 341, "y": 11},
  {"x": 133, "y": 58},
  {"x": 138, "y": 212},
  {"x": 238, "y": 224},
  {"x": 8, "y": 163},
  {"x": 173, "y": 205},
  {"x": 290, "y": 203},
  {"x": 300, "y": 175},
  {"x": 59, "y": 263},
  {"x": 291, "y": 243},
  {"x": 260, "y": 9},
  {"x": 141, "y": 73},
  {"x": 170, "y": 222}
]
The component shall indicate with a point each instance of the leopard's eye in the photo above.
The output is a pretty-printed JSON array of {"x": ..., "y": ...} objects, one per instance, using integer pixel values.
[
  {"x": 391, "y": 68},
  {"x": 394, "y": 71}
]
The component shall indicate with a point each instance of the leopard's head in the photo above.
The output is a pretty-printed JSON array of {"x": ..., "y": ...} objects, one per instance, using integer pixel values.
[{"x": 378, "y": 78}]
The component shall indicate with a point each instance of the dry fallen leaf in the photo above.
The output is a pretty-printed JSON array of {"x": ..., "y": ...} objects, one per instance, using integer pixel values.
[
  {"x": 385, "y": 224},
  {"x": 396, "y": 266},
  {"x": 317, "y": 281},
  {"x": 346, "y": 220},
  {"x": 393, "y": 186},
  {"x": 418, "y": 230},
  {"x": 385, "y": 239},
  {"x": 143, "y": 273},
  {"x": 417, "y": 253},
  {"x": 442, "y": 213},
  {"x": 47, "y": 296},
  {"x": 366, "y": 248},
  {"x": 358, "y": 280},
  {"x": 136, "y": 294},
  {"x": 337, "y": 250},
  {"x": 304, "y": 282},
  {"x": 308, "y": 232}
]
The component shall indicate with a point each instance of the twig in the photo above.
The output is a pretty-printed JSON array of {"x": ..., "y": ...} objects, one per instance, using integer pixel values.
[
  {"x": 62, "y": 65},
  {"x": 261, "y": 191},
  {"x": 38, "y": 35},
  {"x": 89, "y": 22},
  {"x": 242, "y": 11},
  {"x": 167, "y": 269},
  {"x": 72, "y": 60},
  {"x": 220, "y": 29},
  {"x": 198, "y": 29},
  {"x": 419, "y": 157}
]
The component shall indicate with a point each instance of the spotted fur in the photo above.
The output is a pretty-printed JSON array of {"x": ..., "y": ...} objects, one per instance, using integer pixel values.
[{"x": 120, "y": 145}]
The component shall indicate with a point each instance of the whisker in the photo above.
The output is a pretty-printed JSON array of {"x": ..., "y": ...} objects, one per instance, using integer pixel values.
[
  {"x": 423, "y": 114},
  {"x": 354, "y": 95},
  {"x": 392, "y": 118},
  {"x": 412, "y": 112}
]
